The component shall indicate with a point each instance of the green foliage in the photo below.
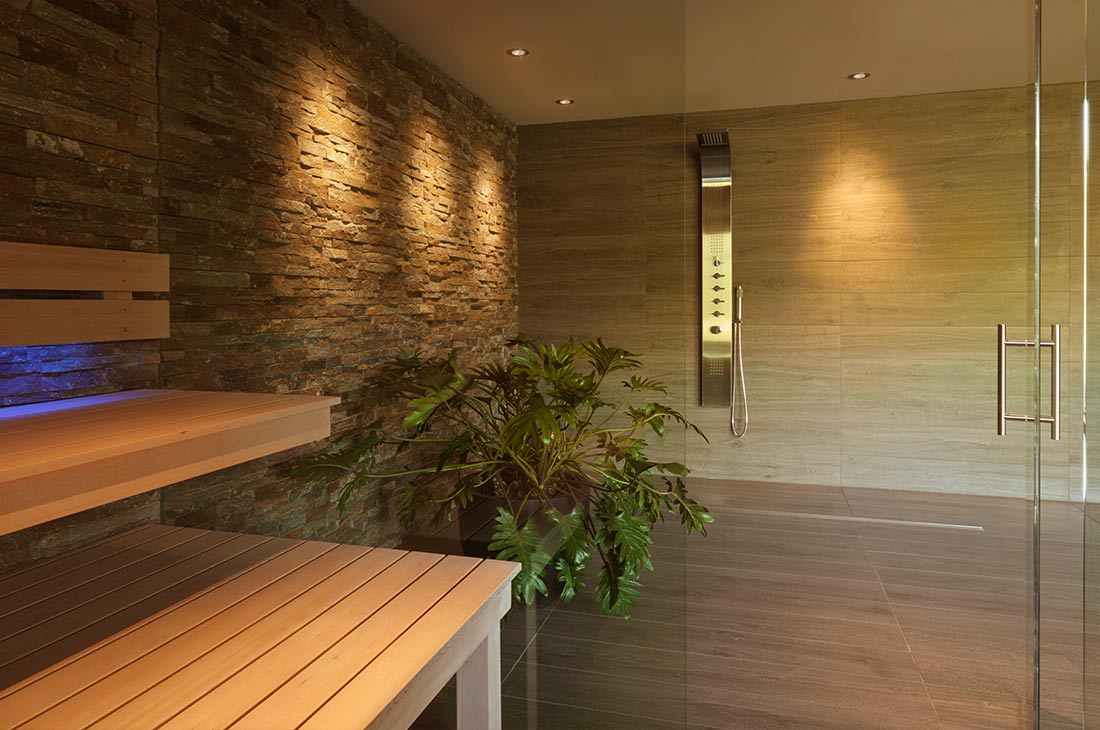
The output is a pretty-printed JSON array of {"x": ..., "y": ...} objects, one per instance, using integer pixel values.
[
  {"x": 525, "y": 546},
  {"x": 548, "y": 434}
]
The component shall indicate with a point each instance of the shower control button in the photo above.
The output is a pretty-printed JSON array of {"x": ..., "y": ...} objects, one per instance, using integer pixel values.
[
  {"x": 715, "y": 330},
  {"x": 716, "y": 314},
  {"x": 717, "y": 262},
  {"x": 719, "y": 288},
  {"x": 719, "y": 301},
  {"x": 719, "y": 276}
]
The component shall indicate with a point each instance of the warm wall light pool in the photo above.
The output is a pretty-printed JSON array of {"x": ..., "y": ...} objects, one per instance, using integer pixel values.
[
  {"x": 518, "y": 52},
  {"x": 858, "y": 75},
  {"x": 564, "y": 102}
]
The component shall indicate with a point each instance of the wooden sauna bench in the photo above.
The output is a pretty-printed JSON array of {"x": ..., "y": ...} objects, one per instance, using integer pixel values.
[
  {"x": 172, "y": 627},
  {"x": 169, "y": 627}
]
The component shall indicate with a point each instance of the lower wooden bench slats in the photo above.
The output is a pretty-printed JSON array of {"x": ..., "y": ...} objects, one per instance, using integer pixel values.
[
  {"x": 169, "y": 667},
  {"x": 248, "y": 686},
  {"x": 336, "y": 664},
  {"x": 273, "y": 582},
  {"x": 246, "y": 632},
  {"x": 303, "y": 619},
  {"x": 51, "y": 641},
  {"x": 72, "y": 587},
  {"x": 85, "y": 557},
  {"x": 360, "y": 703},
  {"x": 72, "y": 605}
]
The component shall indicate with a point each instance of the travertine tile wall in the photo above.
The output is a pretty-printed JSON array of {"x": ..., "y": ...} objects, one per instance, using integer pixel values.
[
  {"x": 327, "y": 197},
  {"x": 879, "y": 242}
]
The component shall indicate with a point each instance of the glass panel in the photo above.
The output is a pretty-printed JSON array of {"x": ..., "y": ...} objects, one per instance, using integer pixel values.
[
  {"x": 602, "y": 255},
  {"x": 872, "y": 558},
  {"x": 1085, "y": 392},
  {"x": 1063, "y": 91}
]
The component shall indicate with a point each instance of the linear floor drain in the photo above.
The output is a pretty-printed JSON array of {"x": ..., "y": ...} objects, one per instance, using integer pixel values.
[{"x": 846, "y": 518}]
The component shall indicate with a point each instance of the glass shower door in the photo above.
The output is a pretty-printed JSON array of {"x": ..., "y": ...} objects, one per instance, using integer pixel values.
[
  {"x": 1085, "y": 390},
  {"x": 1068, "y": 531}
]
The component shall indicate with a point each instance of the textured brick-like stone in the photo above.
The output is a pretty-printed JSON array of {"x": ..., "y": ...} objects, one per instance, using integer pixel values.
[{"x": 328, "y": 198}]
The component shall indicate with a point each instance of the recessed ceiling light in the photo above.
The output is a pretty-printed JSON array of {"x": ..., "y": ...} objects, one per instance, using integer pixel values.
[
  {"x": 565, "y": 102},
  {"x": 858, "y": 75},
  {"x": 518, "y": 52}
]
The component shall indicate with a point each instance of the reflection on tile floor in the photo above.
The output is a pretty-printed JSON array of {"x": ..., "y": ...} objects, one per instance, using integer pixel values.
[{"x": 787, "y": 621}]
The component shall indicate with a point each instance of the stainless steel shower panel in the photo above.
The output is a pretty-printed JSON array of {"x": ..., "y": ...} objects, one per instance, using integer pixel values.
[{"x": 716, "y": 199}]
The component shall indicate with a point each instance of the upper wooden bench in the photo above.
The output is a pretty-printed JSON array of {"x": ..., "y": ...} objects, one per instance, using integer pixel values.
[
  {"x": 179, "y": 628},
  {"x": 65, "y": 456}
]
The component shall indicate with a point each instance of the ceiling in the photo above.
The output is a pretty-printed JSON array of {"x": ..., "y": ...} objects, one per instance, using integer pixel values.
[{"x": 620, "y": 58}]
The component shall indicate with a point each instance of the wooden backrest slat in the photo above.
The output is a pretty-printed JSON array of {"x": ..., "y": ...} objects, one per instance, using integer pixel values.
[
  {"x": 342, "y": 661},
  {"x": 51, "y": 642},
  {"x": 185, "y": 637},
  {"x": 72, "y": 312},
  {"x": 313, "y": 617},
  {"x": 45, "y": 267},
  {"x": 63, "y": 321}
]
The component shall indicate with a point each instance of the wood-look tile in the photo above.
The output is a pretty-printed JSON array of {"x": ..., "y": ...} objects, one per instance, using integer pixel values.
[
  {"x": 771, "y": 496},
  {"x": 530, "y": 714},
  {"x": 722, "y": 653},
  {"x": 534, "y": 715},
  {"x": 857, "y": 570},
  {"x": 603, "y": 657},
  {"x": 865, "y": 624},
  {"x": 774, "y": 696},
  {"x": 646, "y": 698},
  {"x": 999, "y": 679},
  {"x": 615, "y": 630},
  {"x": 987, "y": 562},
  {"x": 959, "y": 710},
  {"x": 977, "y": 594},
  {"x": 732, "y": 582},
  {"x": 773, "y": 623},
  {"x": 826, "y": 546}
]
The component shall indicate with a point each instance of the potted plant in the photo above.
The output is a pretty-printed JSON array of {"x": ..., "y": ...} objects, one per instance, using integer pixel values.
[{"x": 553, "y": 435}]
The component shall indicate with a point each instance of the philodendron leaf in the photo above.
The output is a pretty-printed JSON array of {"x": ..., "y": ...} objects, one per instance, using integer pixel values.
[
  {"x": 523, "y": 545},
  {"x": 576, "y": 549},
  {"x": 422, "y": 408},
  {"x": 617, "y": 593},
  {"x": 637, "y": 383},
  {"x": 457, "y": 445}
]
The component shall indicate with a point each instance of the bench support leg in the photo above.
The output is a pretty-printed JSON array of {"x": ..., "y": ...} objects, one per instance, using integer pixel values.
[{"x": 479, "y": 685}]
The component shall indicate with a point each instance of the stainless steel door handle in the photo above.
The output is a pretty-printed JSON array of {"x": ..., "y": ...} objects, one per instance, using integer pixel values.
[{"x": 1055, "y": 345}]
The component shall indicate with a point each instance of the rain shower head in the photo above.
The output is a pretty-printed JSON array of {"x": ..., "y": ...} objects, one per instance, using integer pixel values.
[
  {"x": 714, "y": 155},
  {"x": 717, "y": 138}
]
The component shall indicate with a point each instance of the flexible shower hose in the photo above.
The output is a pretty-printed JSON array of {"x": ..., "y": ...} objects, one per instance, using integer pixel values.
[{"x": 739, "y": 394}]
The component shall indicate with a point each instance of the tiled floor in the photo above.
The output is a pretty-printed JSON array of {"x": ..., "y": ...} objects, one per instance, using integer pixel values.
[{"x": 784, "y": 620}]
